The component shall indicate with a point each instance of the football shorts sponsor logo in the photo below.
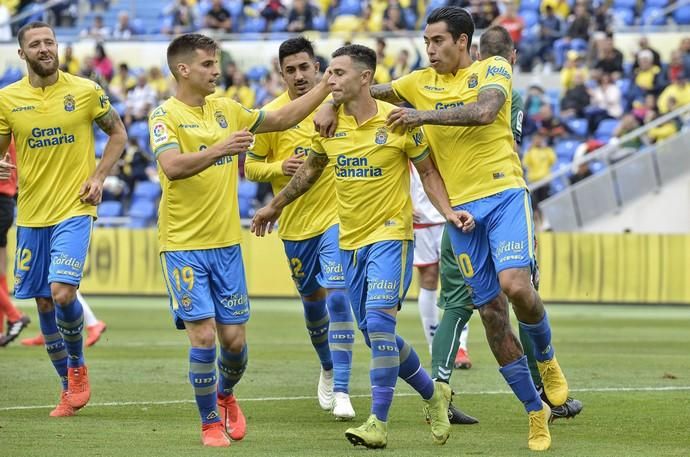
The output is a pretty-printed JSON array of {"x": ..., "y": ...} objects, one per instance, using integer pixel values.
[
  {"x": 510, "y": 250},
  {"x": 495, "y": 70},
  {"x": 355, "y": 167},
  {"x": 70, "y": 103},
  {"x": 160, "y": 133},
  {"x": 53, "y": 136},
  {"x": 235, "y": 300}
]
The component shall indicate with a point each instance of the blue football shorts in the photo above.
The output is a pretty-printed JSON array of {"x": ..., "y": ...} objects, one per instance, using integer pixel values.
[
  {"x": 503, "y": 238},
  {"x": 315, "y": 263},
  {"x": 206, "y": 283},
  {"x": 50, "y": 254},
  {"x": 378, "y": 276}
]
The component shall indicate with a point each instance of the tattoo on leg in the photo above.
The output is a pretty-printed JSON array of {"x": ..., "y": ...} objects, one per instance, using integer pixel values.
[{"x": 502, "y": 340}]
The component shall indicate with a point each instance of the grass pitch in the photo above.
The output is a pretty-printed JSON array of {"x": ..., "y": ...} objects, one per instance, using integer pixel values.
[{"x": 629, "y": 365}]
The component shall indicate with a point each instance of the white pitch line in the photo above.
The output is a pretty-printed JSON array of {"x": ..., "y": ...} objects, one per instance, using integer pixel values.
[{"x": 306, "y": 397}]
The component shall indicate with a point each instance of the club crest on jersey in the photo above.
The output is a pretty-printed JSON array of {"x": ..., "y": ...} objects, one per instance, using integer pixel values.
[
  {"x": 70, "y": 103},
  {"x": 220, "y": 118},
  {"x": 473, "y": 81},
  {"x": 381, "y": 136}
]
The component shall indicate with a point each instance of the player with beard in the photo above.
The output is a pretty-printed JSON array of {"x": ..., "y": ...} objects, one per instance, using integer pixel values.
[{"x": 51, "y": 114}]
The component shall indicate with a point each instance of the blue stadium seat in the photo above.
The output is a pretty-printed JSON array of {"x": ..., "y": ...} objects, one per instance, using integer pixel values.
[
  {"x": 247, "y": 189},
  {"x": 682, "y": 15},
  {"x": 349, "y": 7},
  {"x": 147, "y": 190},
  {"x": 554, "y": 95},
  {"x": 654, "y": 16},
  {"x": 253, "y": 25},
  {"x": 656, "y": 3},
  {"x": 99, "y": 147},
  {"x": 605, "y": 129},
  {"x": 279, "y": 25},
  {"x": 257, "y": 73},
  {"x": 110, "y": 209},
  {"x": 531, "y": 5},
  {"x": 246, "y": 208},
  {"x": 320, "y": 23},
  {"x": 565, "y": 150},
  {"x": 142, "y": 213},
  {"x": 597, "y": 166},
  {"x": 140, "y": 131},
  {"x": 530, "y": 17},
  {"x": 624, "y": 85},
  {"x": 578, "y": 126},
  {"x": 410, "y": 17},
  {"x": 624, "y": 4},
  {"x": 624, "y": 16}
]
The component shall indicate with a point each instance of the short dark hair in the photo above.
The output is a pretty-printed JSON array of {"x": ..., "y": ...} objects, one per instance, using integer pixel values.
[
  {"x": 30, "y": 26},
  {"x": 360, "y": 54},
  {"x": 187, "y": 44},
  {"x": 496, "y": 41},
  {"x": 295, "y": 46},
  {"x": 458, "y": 20}
]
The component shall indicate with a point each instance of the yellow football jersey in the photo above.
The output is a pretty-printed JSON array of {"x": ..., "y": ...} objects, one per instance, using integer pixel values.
[
  {"x": 199, "y": 212},
  {"x": 314, "y": 212},
  {"x": 372, "y": 178},
  {"x": 53, "y": 133},
  {"x": 476, "y": 161}
]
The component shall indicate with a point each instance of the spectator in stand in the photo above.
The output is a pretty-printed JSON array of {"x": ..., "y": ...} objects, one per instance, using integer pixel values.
[
  {"x": 140, "y": 101},
  {"x": 474, "y": 51},
  {"x": 627, "y": 124},
  {"x": 550, "y": 30},
  {"x": 301, "y": 17},
  {"x": 648, "y": 76},
  {"x": 644, "y": 46},
  {"x": 538, "y": 161},
  {"x": 483, "y": 12},
  {"x": 576, "y": 35},
  {"x": 218, "y": 18},
  {"x": 685, "y": 52},
  {"x": 513, "y": 23},
  {"x": 273, "y": 9},
  {"x": 640, "y": 108},
  {"x": 679, "y": 90},
  {"x": 180, "y": 17},
  {"x": 580, "y": 169},
  {"x": 122, "y": 82},
  {"x": 102, "y": 65},
  {"x": 665, "y": 130},
  {"x": 574, "y": 66},
  {"x": 393, "y": 18},
  {"x": 159, "y": 83},
  {"x": 123, "y": 29},
  {"x": 610, "y": 59},
  {"x": 602, "y": 18},
  {"x": 536, "y": 99},
  {"x": 607, "y": 102},
  {"x": 576, "y": 99},
  {"x": 136, "y": 165},
  {"x": 675, "y": 66},
  {"x": 560, "y": 8},
  {"x": 98, "y": 30},
  {"x": 403, "y": 65},
  {"x": 69, "y": 63},
  {"x": 241, "y": 91},
  {"x": 384, "y": 63},
  {"x": 551, "y": 126}
]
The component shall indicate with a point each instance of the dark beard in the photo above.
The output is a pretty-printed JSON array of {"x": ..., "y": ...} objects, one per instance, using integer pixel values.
[{"x": 42, "y": 71}]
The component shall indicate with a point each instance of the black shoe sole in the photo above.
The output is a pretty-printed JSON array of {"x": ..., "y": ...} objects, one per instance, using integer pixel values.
[{"x": 357, "y": 441}]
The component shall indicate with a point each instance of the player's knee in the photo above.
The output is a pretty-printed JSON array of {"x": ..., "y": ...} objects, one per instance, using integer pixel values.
[
  {"x": 63, "y": 294},
  {"x": 44, "y": 304},
  {"x": 337, "y": 301},
  {"x": 233, "y": 342},
  {"x": 517, "y": 286}
]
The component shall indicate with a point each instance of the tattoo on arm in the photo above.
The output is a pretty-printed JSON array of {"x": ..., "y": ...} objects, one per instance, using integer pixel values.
[
  {"x": 385, "y": 93},
  {"x": 482, "y": 112},
  {"x": 304, "y": 178},
  {"x": 110, "y": 121}
]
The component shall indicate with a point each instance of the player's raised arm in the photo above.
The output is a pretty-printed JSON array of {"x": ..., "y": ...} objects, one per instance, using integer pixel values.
[
  {"x": 92, "y": 190},
  {"x": 297, "y": 110},
  {"x": 386, "y": 93},
  {"x": 436, "y": 191},
  {"x": 301, "y": 182}
]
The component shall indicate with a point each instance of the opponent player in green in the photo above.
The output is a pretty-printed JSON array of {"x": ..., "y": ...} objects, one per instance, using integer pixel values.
[
  {"x": 194, "y": 139},
  {"x": 51, "y": 115},
  {"x": 309, "y": 230},
  {"x": 375, "y": 211}
]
